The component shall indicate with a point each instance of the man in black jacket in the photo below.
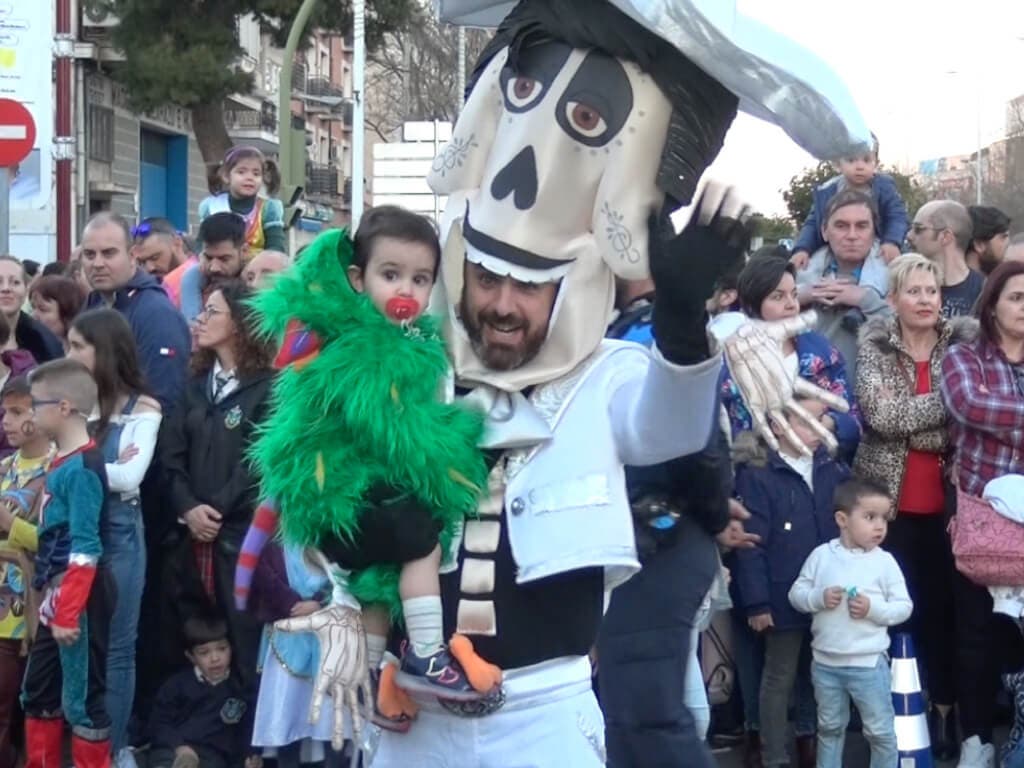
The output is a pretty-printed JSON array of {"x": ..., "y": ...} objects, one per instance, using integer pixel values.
[{"x": 679, "y": 507}]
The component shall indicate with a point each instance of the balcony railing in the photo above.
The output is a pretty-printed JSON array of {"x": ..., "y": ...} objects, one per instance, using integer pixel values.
[
  {"x": 264, "y": 119},
  {"x": 322, "y": 179},
  {"x": 318, "y": 85},
  {"x": 300, "y": 74}
]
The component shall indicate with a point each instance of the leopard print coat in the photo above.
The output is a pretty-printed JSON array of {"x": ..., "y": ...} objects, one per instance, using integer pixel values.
[{"x": 895, "y": 419}]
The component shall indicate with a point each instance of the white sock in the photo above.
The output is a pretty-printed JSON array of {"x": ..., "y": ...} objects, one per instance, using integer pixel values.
[
  {"x": 425, "y": 624},
  {"x": 375, "y": 647}
]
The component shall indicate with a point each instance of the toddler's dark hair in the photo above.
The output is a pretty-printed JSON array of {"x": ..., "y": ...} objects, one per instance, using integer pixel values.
[
  {"x": 398, "y": 223},
  {"x": 217, "y": 178},
  {"x": 204, "y": 628},
  {"x": 851, "y": 492}
]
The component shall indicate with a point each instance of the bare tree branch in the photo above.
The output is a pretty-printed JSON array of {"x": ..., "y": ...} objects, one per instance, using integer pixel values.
[{"x": 413, "y": 75}]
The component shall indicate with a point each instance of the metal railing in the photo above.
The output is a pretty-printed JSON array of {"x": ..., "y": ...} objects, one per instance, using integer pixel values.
[
  {"x": 322, "y": 179},
  {"x": 318, "y": 85}
]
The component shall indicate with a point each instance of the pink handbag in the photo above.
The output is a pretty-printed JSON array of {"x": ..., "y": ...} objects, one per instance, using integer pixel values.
[{"x": 988, "y": 548}]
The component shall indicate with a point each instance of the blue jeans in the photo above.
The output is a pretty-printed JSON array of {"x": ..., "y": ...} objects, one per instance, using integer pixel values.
[
  {"x": 124, "y": 553},
  {"x": 871, "y": 690}
]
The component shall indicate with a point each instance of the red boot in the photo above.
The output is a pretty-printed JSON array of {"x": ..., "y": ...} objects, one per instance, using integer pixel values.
[
  {"x": 90, "y": 754},
  {"x": 43, "y": 742}
]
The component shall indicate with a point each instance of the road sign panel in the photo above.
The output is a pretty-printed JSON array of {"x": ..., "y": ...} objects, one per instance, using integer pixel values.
[{"x": 17, "y": 132}]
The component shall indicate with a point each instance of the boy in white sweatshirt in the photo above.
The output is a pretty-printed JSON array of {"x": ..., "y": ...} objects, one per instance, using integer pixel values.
[{"x": 856, "y": 591}]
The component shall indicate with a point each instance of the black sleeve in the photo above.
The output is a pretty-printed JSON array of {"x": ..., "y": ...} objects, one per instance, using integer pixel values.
[
  {"x": 164, "y": 718},
  {"x": 703, "y": 483},
  {"x": 174, "y": 449}
]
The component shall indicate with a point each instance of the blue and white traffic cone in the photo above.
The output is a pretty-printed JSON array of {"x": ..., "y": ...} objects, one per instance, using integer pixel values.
[{"x": 912, "y": 739}]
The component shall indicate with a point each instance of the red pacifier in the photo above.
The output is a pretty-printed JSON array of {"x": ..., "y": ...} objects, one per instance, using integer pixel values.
[{"x": 401, "y": 308}]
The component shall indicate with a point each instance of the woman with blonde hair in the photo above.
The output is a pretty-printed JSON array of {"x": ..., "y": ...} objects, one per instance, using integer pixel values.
[{"x": 899, "y": 367}]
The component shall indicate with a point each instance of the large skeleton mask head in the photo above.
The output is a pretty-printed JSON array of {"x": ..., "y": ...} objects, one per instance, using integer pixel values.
[
  {"x": 556, "y": 157},
  {"x": 582, "y": 123}
]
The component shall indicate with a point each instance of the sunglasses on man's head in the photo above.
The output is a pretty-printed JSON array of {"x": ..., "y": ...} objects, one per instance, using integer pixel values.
[{"x": 144, "y": 229}]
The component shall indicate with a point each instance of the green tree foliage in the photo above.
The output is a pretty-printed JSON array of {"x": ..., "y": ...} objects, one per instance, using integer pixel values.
[
  {"x": 772, "y": 228},
  {"x": 187, "y": 53},
  {"x": 799, "y": 196}
]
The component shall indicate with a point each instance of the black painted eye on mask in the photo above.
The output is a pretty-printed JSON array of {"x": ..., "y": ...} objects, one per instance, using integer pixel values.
[
  {"x": 529, "y": 74},
  {"x": 597, "y": 101}
]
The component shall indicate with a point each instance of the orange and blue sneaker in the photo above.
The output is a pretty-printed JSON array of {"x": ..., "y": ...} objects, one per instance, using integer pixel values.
[{"x": 438, "y": 674}]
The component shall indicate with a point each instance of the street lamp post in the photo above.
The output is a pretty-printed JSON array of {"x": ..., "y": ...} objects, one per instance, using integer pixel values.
[
  {"x": 290, "y": 175},
  {"x": 358, "y": 108},
  {"x": 977, "y": 135}
]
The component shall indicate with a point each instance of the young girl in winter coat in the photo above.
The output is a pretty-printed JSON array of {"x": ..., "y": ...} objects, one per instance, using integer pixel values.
[{"x": 237, "y": 186}]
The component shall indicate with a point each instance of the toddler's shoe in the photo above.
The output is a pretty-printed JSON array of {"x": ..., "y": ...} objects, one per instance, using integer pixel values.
[{"x": 438, "y": 674}]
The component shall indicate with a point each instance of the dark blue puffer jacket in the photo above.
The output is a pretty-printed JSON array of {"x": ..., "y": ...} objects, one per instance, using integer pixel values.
[
  {"x": 791, "y": 521},
  {"x": 161, "y": 335}
]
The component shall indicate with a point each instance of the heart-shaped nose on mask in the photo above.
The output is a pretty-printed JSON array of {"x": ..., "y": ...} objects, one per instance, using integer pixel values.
[{"x": 400, "y": 308}]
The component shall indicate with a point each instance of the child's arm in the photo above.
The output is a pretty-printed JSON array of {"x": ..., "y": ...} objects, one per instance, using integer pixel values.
[
  {"x": 141, "y": 432},
  {"x": 809, "y": 240},
  {"x": 806, "y": 595},
  {"x": 273, "y": 226},
  {"x": 272, "y": 596},
  {"x": 896, "y": 606},
  {"x": 84, "y": 496},
  {"x": 894, "y": 221},
  {"x": 163, "y": 725}
]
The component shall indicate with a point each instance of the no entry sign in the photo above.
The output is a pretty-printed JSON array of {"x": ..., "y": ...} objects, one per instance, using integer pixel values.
[{"x": 17, "y": 132}]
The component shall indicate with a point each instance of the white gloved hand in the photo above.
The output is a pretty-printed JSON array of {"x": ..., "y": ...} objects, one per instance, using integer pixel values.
[
  {"x": 343, "y": 672},
  {"x": 768, "y": 387}
]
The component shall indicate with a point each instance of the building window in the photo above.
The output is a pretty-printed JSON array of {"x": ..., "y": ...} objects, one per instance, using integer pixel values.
[{"x": 101, "y": 134}]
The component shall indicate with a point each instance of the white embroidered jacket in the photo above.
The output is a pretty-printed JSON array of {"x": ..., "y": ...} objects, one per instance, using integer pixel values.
[{"x": 566, "y": 499}]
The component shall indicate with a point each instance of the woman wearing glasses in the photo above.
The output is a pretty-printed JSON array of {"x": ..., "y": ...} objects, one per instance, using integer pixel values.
[
  {"x": 899, "y": 367},
  {"x": 203, "y": 454},
  {"x": 983, "y": 389}
]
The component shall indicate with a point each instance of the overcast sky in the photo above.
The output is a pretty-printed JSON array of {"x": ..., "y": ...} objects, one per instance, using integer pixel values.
[{"x": 922, "y": 71}]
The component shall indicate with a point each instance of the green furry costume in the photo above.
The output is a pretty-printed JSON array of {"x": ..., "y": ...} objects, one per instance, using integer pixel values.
[{"x": 366, "y": 409}]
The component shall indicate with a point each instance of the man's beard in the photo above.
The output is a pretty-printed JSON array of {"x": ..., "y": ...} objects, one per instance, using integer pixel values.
[
  {"x": 209, "y": 283},
  {"x": 987, "y": 260},
  {"x": 501, "y": 357}
]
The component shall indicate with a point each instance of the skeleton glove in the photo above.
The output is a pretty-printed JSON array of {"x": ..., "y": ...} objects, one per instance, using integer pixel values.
[{"x": 686, "y": 267}]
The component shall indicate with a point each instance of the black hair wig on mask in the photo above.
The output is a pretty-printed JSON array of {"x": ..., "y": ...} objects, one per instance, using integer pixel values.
[{"x": 702, "y": 108}]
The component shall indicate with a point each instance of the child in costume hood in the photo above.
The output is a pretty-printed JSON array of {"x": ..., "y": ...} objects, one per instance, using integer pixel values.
[{"x": 358, "y": 346}]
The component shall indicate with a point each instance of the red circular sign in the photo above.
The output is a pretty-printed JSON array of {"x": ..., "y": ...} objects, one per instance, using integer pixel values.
[{"x": 17, "y": 132}]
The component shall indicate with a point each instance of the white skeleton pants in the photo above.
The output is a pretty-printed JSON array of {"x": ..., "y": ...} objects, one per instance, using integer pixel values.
[{"x": 550, "y": 720}]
